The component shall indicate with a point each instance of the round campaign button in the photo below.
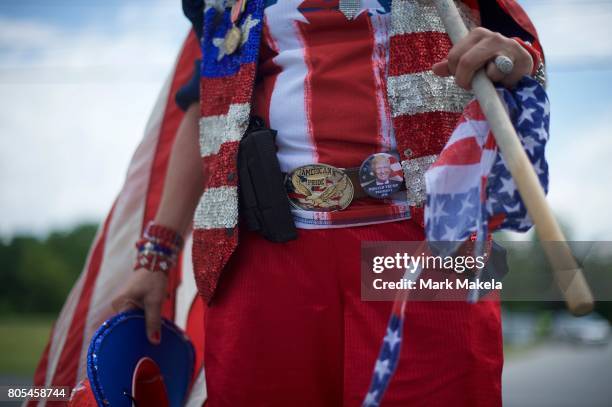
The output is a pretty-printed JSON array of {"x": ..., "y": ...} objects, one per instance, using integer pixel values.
[{"x": 381, "y": 175}]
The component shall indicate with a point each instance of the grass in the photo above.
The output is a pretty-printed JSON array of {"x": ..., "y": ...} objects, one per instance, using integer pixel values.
[{"x": 22, "y": 340}]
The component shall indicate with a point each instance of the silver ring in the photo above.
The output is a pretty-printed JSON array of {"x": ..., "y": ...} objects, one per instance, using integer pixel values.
[{"x": 504, "y": 64}]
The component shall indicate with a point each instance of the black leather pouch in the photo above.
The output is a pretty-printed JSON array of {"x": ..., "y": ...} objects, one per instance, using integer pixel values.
[{"x": 264, "y": 206}]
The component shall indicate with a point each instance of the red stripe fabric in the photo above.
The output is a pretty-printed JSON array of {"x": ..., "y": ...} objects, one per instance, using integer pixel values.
[
  {"x": 466, "y": 151},
  {"x": 214, "y": 91},
  {"x": 268, "y": 71},
  {"x": 329, "y": 102},
  {"x": 219, "y": 169},
  {"x": 65, "y": 374},
  {"x": 174, "y": 280},
  {"x": 212, "y": 249},
  {"x": 473, "y": 112},
  {"x": 424, "y": 133},
  {"x": 420, "y": 134},
  {"x": 196, "y": 321},
  {"x": 41, "y": 370},
  {"x": 490, "y": 144},
  {"x": 472, "y": 4},
  {"x": 291, "y": 312},
  {"x": 417, "y": 52}
]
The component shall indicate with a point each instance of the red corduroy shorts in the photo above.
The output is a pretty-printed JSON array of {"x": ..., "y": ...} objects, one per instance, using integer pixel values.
[{"x": 287, "y": 327}]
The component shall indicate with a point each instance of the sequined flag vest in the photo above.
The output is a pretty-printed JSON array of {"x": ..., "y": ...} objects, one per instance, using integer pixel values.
[{"x": 424, "y": 107}]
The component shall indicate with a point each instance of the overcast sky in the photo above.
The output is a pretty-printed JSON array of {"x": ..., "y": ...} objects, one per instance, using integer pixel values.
[{"x": 78, "y": 81}]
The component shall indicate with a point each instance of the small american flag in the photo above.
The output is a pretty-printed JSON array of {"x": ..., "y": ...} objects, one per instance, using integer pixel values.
[
  {"x": 470, "y": 190},
  {"x": 469, "y": 187}
]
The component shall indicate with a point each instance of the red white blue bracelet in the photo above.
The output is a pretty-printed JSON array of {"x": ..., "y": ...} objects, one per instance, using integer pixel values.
[{"x": 158, "y": 249}]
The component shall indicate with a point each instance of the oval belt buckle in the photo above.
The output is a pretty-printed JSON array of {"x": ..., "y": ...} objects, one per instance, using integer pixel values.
[{"x": 319, "y": 187}]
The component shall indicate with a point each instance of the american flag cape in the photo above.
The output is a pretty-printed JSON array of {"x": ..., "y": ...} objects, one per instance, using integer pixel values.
[
  {"x": 112, "y": 253},
  {"x": 470, "y": 190}
]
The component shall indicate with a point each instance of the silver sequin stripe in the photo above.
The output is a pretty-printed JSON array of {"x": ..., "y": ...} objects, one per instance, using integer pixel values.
[
  {"x": 218, "y": 208},
  {"x": 350, "y": 8},
  {"x": 216, "y": 130},
  {"x": 412, "y": 16},
  {"x": 414, "y": 176},
  {"x": 425, "y": 92}
]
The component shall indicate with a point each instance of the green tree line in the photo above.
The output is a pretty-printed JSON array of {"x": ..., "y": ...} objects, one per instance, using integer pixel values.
[{"x": 38, "y": 273}]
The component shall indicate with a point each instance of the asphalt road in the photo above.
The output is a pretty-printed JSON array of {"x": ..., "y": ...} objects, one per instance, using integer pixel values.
[
  {"x": 553, "y": 374},
  {"x": 559, "y": 375}
]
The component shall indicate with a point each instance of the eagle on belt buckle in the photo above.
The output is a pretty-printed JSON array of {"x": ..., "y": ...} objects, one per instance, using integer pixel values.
[{"x": 319, "y": 187}]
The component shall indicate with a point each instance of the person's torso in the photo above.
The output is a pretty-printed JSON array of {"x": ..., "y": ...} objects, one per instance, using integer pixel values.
[{"x": 322, "y": 82}]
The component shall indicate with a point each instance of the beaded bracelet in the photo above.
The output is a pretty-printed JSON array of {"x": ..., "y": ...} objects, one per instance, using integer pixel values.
[{"x": 158, "y": 249}]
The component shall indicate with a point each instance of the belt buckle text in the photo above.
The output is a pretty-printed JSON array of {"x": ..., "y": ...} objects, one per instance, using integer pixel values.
[{"x": 319, "y": 187}]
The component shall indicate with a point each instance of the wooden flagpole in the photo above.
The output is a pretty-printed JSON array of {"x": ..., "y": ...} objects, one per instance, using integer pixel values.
[{"x": 568, "y": 274}]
